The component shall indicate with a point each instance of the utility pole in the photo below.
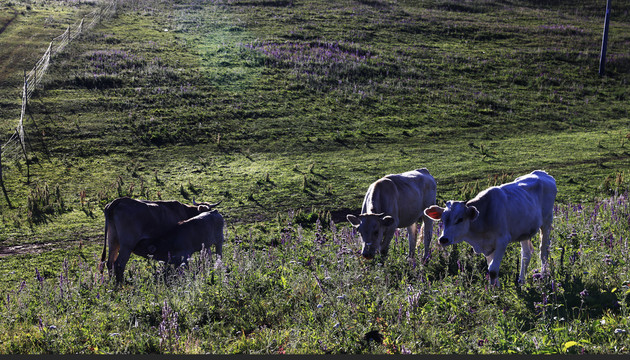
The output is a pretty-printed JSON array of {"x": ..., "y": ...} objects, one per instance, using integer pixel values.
[{"x": 602, "y": 58}]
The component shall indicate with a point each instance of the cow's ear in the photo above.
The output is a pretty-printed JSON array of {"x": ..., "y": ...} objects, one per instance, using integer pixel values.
[
  {"x": 355, "y": 221},
  {"x": 387, "y": 220},
  {"x": 434, "y": 212},
  {"x": 472, "y": 213}
]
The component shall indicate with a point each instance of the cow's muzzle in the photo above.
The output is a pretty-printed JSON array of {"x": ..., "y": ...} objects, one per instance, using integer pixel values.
[
  {"x": 368, "y": 252},
  {"x": 443, "y": 240}
]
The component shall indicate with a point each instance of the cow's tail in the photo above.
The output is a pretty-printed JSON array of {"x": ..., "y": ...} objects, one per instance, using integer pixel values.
[
  {"x": 107, "y": 212},
  {"x": 104, "y": 254}
]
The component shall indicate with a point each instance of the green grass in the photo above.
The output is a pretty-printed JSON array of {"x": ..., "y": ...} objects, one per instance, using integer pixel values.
[
  {"x": 294, "y": 286},
  {"x": 288, "y": 106}
]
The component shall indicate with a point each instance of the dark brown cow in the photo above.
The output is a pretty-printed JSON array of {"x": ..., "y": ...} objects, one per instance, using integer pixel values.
[
  {"x": 128, "y": 221},
  {"x": 186, "y": 238}
]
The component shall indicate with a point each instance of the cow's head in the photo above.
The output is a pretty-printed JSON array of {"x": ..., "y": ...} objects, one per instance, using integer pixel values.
[
  {"x": 456, "y": 217},
  {"x": 371, "y": 228}
]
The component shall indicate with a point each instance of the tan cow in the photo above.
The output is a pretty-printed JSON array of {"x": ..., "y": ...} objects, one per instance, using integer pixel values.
[
  {"x": 396, "y": 201},
  {"x": 128, "y": 221}
]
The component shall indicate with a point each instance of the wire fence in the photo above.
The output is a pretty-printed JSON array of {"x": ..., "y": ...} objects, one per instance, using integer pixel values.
[
  {"x": 34, "y": 77},
  {"x": 15, "y": 146}
]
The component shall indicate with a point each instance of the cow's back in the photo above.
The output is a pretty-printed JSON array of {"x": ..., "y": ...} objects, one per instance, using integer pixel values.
[
  {"x": 534, "y": 190},
  {"x": 203, "y": 226},
  {"x": 404, "y": 196},
  {"x": 142, "y": 218},
  {"x": 541, "y": 185},
  {"x": 519, "y": 207},
  {"x": 187, "y": 237},
  {"x": 414, "y": 183}
]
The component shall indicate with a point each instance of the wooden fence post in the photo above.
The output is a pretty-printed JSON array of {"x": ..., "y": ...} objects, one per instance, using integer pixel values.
[
  {"x": 21, "y": 129},
  {"x": 4, "y": 189},
  {"x": 602, "y": 57}
]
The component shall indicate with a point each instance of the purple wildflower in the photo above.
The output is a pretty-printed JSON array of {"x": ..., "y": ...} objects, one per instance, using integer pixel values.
[
  {"x": 39, "y": 278},
  {"x": 168, "y": 327}
]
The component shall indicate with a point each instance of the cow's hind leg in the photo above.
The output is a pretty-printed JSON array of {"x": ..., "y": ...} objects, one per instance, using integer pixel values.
[
  {"x": 545, "y": 240},
  {"x": 526, "y": 255},
  {"x": 111, "y": 240},
  {"x": 121, "y": 263},
  {"x": 114, "y": 248},
  {"x": 218, "y": 242},
  {"x": 412, "y": 236}
]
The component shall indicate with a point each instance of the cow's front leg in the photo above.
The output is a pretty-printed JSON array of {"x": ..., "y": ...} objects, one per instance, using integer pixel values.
[
  {"x": 494, "y": 261},
  {"x": 388, "y": 234},
  {"x": 427, "y": 234},
  {"x": 412, "y": 235},
  {"x": 526, "y": 255}
]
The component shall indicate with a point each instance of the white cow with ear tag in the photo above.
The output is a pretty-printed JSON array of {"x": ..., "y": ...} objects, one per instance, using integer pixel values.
[
  {"x": 395, "y": 201},
  {"x": 514, "y": 211}
]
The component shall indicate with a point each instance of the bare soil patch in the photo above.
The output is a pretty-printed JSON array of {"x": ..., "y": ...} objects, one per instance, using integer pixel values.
[{"x": 40, "y": 247}]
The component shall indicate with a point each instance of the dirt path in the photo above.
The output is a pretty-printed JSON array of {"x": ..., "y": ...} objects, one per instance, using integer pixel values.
[
  {"x": 25, "y": 249},
  {"x": 40, "y": 247}
]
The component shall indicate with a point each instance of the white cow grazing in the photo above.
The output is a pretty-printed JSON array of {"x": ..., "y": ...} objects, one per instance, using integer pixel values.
[
  {"x": 499, "y": 215},
  {"x": 395, "y": 201}
]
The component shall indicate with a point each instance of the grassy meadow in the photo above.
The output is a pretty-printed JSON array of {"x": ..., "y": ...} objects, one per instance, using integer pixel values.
[{"x": 287, "y": 110}]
